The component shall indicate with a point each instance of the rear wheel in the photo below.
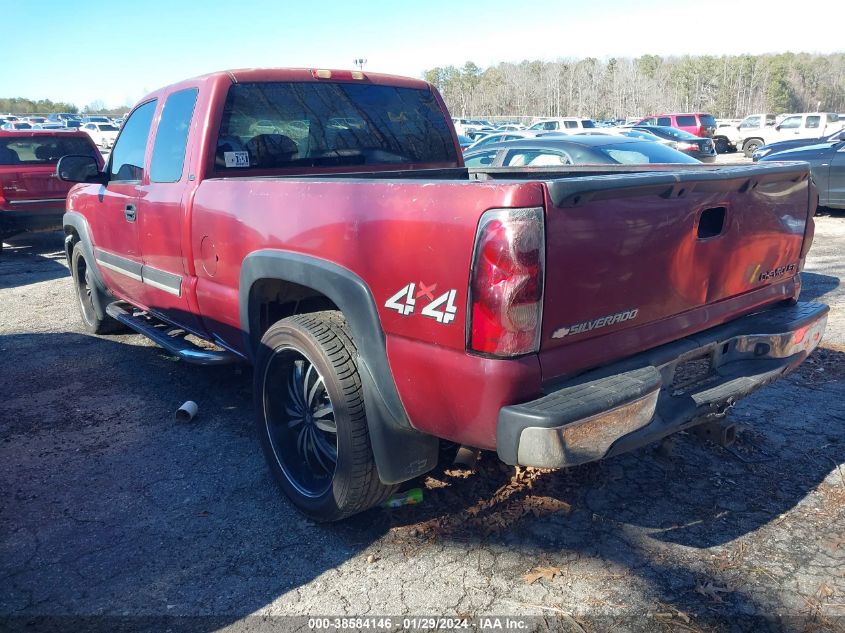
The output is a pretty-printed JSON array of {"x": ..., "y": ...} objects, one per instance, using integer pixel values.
[
  {"x": 751, "y": 146},
  {"x": 311, "y": 421},
  {"x": 721, "y": 145},
  {"x": 92, "y": 300}
]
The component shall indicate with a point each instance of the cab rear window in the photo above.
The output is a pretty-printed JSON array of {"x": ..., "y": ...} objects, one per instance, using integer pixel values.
[
  {"x": 269, "y": 125},
  {"x": 28, "y": 150}
]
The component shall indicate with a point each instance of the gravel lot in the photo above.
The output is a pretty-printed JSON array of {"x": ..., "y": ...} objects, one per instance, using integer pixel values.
[{"x": 108, "y": 507}]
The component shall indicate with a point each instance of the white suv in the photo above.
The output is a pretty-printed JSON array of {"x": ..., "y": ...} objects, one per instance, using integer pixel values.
[{"x": 565, "y": 124}]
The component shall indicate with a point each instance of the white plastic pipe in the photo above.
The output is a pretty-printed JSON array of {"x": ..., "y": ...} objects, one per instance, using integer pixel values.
[{"x": 187, "y": 411}]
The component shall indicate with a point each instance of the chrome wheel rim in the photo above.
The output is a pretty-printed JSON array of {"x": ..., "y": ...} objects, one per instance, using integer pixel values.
[{"x": 300, "y": 422}]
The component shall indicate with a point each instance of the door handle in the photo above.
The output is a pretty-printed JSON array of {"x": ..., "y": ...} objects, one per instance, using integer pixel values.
[{"x": 129, "y": 211}]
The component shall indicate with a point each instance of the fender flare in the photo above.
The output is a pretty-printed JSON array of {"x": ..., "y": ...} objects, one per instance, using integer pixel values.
[
  {"x": 79, "y": 224},
  {"x": 401, "y": 452}
]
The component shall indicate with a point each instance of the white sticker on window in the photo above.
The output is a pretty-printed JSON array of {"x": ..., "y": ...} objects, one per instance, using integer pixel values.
[{"x": 236, "y": 159}]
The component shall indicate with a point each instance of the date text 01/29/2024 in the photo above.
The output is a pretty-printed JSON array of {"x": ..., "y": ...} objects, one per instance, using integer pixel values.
[{"x": 489, "y": 623}]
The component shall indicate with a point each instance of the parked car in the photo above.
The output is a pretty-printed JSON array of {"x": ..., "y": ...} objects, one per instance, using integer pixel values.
[
  {"x": 62, "y": 117},
  {"x": 808, "y": 125},
  {"x": 16, "y": 125},
  {"x": 696, "y": 123},
  {"x": 36, "y": 119},
  {"x": 567, "y": 123},
  {"x": 701, "y": 148},
  {"x": 582, "y": 149},
  {"x": 730, "y": 137},
  {"x": 548, "y": 317},
  {"x": 471, "y": 127},
  {"x": 31, "y": 197},
  {"x": 103, "y": 134},
  {"x": 780, "y": 146},
  {"x": 50, "y": 126},
  {"x": 464, "y": 141},
  {"x": 499, "y": 137},
  {"x": 827, "y": 164},
  {"x": 94, "y": 118}
]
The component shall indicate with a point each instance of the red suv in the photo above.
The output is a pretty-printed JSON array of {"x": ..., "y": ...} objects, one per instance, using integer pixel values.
[
  {"x": 698, "y": 123},
  {"x": 31, "y": 197}
]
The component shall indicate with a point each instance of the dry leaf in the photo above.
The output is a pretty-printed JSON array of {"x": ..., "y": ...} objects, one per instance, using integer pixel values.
[
  {"x": 541, "y": 572},
  {"x": 824, "y": 591},
  {"x": 712, "y": 591}
]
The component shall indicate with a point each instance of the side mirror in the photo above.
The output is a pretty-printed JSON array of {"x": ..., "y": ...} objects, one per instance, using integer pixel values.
[
  {"x": 777, "y": 127},
  {"x": 79, "y": 168}
]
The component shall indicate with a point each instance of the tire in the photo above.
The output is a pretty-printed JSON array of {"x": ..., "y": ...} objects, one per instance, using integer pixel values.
[
  {"x": 751, "y": 146},
  {"x": 721, "y": 145},
  {"x": 92, "y": 300},
  {"x": 310, "y": 417}
]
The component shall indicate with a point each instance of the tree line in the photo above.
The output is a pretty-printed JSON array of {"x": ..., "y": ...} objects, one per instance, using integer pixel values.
[
  {"x": 20, "y": 105},
  {"x": 727, "y": 86}
]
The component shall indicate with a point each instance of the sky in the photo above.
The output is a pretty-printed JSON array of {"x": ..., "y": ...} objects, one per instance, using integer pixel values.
[{"x": 116, "y": 52}]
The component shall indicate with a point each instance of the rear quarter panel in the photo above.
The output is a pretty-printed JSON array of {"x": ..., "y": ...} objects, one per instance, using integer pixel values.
[{"x": 390, "y": 234}]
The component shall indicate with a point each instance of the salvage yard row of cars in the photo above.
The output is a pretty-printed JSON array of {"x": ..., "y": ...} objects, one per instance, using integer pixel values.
[
  {"x": 102, "y": 129},
  {"x": 397, "y": 297},
  {"x": 747, "y": 135}
]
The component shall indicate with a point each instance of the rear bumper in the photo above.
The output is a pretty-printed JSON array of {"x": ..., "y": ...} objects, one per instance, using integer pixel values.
[
  {"x": 644, "y": 398},
  {"x": 36, "y": 215}
]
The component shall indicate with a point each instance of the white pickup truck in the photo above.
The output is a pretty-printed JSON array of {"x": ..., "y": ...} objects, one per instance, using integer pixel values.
[
  {"x": 793, "y": 126},
  {"x": 731, "y": 137}
]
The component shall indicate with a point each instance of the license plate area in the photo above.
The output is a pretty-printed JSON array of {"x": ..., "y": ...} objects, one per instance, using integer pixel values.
[{"x": 692, "y": 373}]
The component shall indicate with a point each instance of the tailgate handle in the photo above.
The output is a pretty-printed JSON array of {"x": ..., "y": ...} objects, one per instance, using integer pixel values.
[
  {"x": 711, "y": 222},
  {"x": 129, "y": 212}
]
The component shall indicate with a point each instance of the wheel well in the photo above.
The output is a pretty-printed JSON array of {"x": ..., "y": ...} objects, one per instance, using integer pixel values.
[
  {"x": 271, "y": 300},
  {"x": 71, "y": 238}
]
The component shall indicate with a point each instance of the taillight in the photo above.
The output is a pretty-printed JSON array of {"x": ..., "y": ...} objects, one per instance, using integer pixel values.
[
  {"x": 506, "y": 288},
  {"x": 686, "y": 147}
]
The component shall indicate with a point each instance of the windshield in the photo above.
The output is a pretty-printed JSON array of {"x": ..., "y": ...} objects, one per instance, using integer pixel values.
[
  {"x": 324, "y": 124},
  {"x": 31, "y": 150}
]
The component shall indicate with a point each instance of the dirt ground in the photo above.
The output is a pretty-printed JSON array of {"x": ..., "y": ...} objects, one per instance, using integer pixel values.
[{"x": 111, "y": 512}]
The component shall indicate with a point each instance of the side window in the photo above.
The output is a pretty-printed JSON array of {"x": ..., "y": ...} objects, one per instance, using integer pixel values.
[
  {"x": 127, "y": 158},
  {"x": 481, "y": 160},
  {"x": 790, "y": 122},
  {"x": 536, "y": 158},
  {"x": 550, "y": 159},
  {"x": 686, "y": 121},
  {"x": 664, "y": 120},
  {"x": 570, "y": 124},
  {"x": 813, "y": 121},
  {"x": 172, "y": 136},
  {"x": 750, "y": 122},
  {"x": 551, "y": 125},
  {"x": 771, "y": 119}
]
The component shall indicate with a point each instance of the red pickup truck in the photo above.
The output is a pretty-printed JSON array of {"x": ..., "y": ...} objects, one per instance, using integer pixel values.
[
  {"x": 31, "y": 197},
  {"x": 321, "y": 226}
]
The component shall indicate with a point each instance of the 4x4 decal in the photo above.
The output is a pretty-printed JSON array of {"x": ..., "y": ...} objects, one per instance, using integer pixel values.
[{"x": 441, "y": 308}]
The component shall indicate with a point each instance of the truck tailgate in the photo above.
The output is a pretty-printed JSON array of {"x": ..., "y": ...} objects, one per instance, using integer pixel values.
[{"x": 639, "y": 259}]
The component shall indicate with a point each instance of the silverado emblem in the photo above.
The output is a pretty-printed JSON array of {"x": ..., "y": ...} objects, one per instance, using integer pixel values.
[
  {"x": 586, "y": 326},
  {"x": 776, "y": 272}
]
